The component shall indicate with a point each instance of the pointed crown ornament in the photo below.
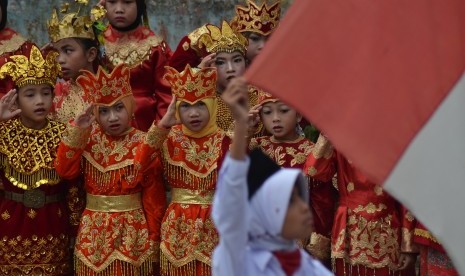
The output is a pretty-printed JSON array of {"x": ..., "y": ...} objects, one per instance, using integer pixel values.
[
  {"x": 264, "y": 97},
  {"x": 32, "y": 69},
  {"x": 192, "y": 85},
  {"x": 223, "y": 40},
  {"x": 72, "y": 24},
  {"x": 106, "y": 89},
  {"x": 258, "y": 19}
]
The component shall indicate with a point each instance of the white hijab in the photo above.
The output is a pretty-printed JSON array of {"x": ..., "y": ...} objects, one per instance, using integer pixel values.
[{"x": 268, "y": 208}]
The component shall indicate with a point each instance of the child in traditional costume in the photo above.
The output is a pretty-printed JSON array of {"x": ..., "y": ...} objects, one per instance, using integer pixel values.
[
  {"x": 119, "y": 233},
  {"x": 127, "y": 41},
  {"x": 289, "y": 148},
  {"x": 192, "y": 155},
  {"x": 372, "y": 232},
  {"x": 73, "y": 37},
  {"x": 34, "y": 224},
  {"x": 257, "y": 23},
  {"x": 259, "y": 208}
]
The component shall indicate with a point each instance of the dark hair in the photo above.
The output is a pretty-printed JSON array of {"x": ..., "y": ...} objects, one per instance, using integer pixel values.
[
  {"x": 3, "y": 5},
  {"x": 86, "y": 44}
]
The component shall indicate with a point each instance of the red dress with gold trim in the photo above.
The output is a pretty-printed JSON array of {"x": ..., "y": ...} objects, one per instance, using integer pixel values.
[
  {"x": 433, "y": 257},
  {"x": 188, "y": 235},
  {"x": 35, "y": 218},
  {"x": 371, "y": 228},
  {"x": 293, "y": 154},
  {"x": 11, "y": 43},
  {"x": 146, "y": 55},
  {"x": 119, "y": 233}
]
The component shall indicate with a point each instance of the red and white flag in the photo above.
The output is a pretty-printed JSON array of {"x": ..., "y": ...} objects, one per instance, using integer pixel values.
[{"x": 384, "y": 80}]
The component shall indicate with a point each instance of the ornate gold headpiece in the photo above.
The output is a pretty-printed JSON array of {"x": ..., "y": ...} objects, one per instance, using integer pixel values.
[
  {"x": 72, "y": 24},
  {"x": 223, "y": 40},
  {"x": 32, "y": 69},
  {"x": 106, "y": 89},
  {"x": 192, "y": 85},
  {"x": 258, "y": 19}
]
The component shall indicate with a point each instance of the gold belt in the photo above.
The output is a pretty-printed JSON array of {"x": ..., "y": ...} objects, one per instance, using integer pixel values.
[
  {"x": 121, "y": 203},
  {"x": 186, "y": 196}
]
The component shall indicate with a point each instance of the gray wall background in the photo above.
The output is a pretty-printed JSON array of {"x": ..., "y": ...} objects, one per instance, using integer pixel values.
[{"x": 171, "y": 19}]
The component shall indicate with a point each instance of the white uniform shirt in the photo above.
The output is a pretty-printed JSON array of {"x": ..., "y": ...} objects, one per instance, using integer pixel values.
[{"x": 233, "y": 256}]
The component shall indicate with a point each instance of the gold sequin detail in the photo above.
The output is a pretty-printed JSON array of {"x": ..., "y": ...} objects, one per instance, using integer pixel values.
[
  {"x": 31, "y": 214},
  {"x": 12, "y": 44},
  {"x": 350, "y": 187},
  {"x": 5, "y": 215},
  {"x": 28, "y": 154}
]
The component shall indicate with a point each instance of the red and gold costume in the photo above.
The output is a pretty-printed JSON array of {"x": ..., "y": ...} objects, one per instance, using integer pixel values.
[
  {"x": 35, "y": 197},
  {"x": 257, "y": 19},
  {"x": 146, "y": 55},
  {"x": 11, "y": 43},
  {"x": 225, "y": 39},
  {"x": 293, "y": 154},
  {"x": 371, "y": 229},
  {"x": 119, "y": 233},
  {"x": 191, "y": 161},
  {"x": 433, "y": 257}
]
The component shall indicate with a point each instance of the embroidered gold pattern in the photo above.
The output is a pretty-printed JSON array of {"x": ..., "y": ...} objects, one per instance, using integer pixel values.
[
  {"x": 311, "y": 171},
  {"x": 47, "y": 255},
  {"x": 409, "y": 216},
  {"x": 179, "y": 233},
  {"x": 31, "y": 214},
  {"x": 130, "y": 51},
  {"x": 426, "y": 234},
  {"x": 102, "y": 238},
  {"x": 372, "y": 243},
  {"x": 70, "y": 104},
  {"x": 370, "y": 208},
  {"x": 11, "y": 44},
  {"x": 350, "y": 187},
  {"x": 28, "y": 154},
  {"x": 6, "y": 215}
]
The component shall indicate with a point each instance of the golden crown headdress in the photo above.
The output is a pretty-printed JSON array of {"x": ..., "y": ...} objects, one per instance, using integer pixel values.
[
  {"x": 106, "y": 89},
  {"x": 32, "y": 68},
  {"x": 192, "y": 85},
  {"x": 223, "y": 40},
  {"x": 72, "y": 24},
  {"x": 264, "y": 97},
  {"x": 259, "y": 19}
]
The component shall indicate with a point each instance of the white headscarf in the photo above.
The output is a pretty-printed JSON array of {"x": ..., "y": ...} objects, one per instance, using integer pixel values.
[{"x": 269, "y": 207}]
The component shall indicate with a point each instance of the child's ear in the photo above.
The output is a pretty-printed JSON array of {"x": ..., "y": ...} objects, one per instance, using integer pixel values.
[{"x": 92, "y": 54}]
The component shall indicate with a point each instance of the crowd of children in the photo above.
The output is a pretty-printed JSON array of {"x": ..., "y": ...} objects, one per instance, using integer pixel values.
[{"x": 121, "y": 157}]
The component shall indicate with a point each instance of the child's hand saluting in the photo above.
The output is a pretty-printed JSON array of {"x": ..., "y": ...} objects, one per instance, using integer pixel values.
[
  {"x": 169, "y": 119},
  {"x": 86, "y": 118},
  {"x": 7, "y": 106}
]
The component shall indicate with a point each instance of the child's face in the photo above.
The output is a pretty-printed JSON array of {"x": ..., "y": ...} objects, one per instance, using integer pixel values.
[
  {"x": 280, "y": 120},
  {"x": 298, "y": 223},
  {"x": 256, "y": 44},
  {"x": 73, "y": 57},
  {"x": 114, "y": 119},
  {"x": 35, "y": 102},
  {"x": 229, "y": 66},
  {"x": 121, "y": 13},
  {"x": 194, "y": 116}
]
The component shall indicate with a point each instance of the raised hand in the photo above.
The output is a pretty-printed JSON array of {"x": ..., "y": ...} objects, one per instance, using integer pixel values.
[
  {"x": 7, "y": 106},
  {"x": 237, "y": 98},
  {"x": 207, "y": 61},
  {"x": 86, "y": 118},
  {"x": 169, "y": 119}
]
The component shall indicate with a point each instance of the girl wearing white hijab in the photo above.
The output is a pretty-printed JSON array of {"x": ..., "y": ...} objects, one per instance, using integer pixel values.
[{"x": 259, "y": 209}]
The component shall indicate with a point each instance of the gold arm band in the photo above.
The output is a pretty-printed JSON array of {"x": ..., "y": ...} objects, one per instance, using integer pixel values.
[
  {"x": 185, "y": 196},
  {"x": 110, "y": 204}
]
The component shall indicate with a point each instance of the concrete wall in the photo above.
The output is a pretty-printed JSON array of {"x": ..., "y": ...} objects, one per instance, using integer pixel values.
[{"x": 169, "y": 18}]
